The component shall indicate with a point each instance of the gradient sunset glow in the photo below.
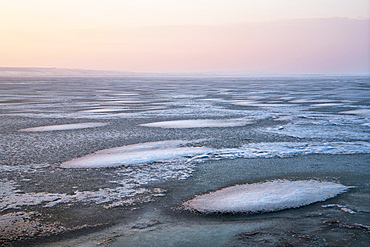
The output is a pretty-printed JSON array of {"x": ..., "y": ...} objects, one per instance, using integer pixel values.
[{"x": 265, "y": 36}]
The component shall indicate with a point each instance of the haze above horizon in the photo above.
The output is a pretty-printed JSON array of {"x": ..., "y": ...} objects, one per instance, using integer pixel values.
[{"x": 318, "y": 36}]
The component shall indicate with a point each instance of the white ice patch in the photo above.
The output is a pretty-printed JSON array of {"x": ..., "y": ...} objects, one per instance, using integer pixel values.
[
  {"x": 200, "y": 123},
  {"x": 311, "y": 101},
  {"x": 283, "y": 118},
  {"x": 326, "y": 105},
  {"x": 265, "y": 197},
  {"x": 359, "y": 112},
  {"x": 103, "y": 110},
  {"x": 135, "y": 154},
  {"x": 127, "y": 101},
  {"x": 64, "y": 127},
  {"x": 258, "y": 104}
]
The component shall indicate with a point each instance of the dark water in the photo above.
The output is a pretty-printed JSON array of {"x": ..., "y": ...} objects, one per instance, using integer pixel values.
[{"x": 56, "y": 192}]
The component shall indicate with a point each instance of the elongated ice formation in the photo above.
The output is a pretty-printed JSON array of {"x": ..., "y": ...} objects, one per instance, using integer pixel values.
[
  {"x": 265, "y": 197},
  {"x": 360, "y": 112},
  {"x": 199, "y": 123},
  {"x": 64, "y": 127},
  {"x": 136, "y": 154}
]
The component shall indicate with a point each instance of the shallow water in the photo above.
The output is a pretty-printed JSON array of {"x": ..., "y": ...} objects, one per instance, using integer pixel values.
[{"x": 117, "y": 158}]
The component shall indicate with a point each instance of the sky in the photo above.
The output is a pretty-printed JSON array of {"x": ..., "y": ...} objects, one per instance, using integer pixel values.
[{"x": 225, "y": 36}]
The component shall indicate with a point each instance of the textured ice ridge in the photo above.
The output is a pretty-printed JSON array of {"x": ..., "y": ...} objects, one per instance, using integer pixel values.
[
  {"x": 289, "y": 149},
  {"x": 13, "y": 198},
  {"x": 265, "y": 197}
]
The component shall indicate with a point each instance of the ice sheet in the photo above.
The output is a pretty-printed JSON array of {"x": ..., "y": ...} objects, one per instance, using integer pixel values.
[
  {"x": 64, "y": 127},
  {"x": 265, "y": 197}
]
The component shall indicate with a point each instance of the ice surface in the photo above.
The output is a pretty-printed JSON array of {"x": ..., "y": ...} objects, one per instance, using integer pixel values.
[
  {"x": 200, "y": 123},
  {"x": 64, "y": 127},
  {"x": 136, "y": 154},
  {"x": 265, "y": 197}
]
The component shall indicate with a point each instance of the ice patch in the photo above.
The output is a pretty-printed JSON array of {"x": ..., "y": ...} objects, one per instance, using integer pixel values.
[
  {"x": 64, "y": 127},
  {"x": 311, "y": 101},
  {"x": 200, "y": 123},
  {"x": 135, "y": 154},
  {"x": 258, "y": 104},
  {"x": 102, "y": 110},
  {"x": 326, "y": 105},
  {"x": 126, "y": 101},
  {"x": 265, "y": 197},
  {"x": 359, "y": 112},
  {"x": 283, "y": 118}
]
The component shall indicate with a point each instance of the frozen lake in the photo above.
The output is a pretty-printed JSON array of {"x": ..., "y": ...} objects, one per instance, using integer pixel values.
[{"x": 117, "y": 161}]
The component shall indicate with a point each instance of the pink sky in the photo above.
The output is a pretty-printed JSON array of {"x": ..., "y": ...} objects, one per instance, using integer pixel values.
[{"x": 311, "y": 44}]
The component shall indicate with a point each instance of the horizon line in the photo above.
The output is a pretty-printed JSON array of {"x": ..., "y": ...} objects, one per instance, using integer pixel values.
[{"x": 6, "y": 72}]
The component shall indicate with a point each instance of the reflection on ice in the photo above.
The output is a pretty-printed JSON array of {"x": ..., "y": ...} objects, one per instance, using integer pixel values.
[
  {"x": 64, "y": 127},
  {"x": 265, "y": 197},
  {"x": 200, "y": 123},
  {"x": 136, "y": 154}
]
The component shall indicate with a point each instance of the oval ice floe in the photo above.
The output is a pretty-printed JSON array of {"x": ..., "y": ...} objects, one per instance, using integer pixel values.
[
  {"x": 200, "y": 123},
  {"x": 64, "y": 127},
  {"x": 265, "y": 197},
  {"x": 359, "y": 112},
  {"x": 137, "y": 153}
]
